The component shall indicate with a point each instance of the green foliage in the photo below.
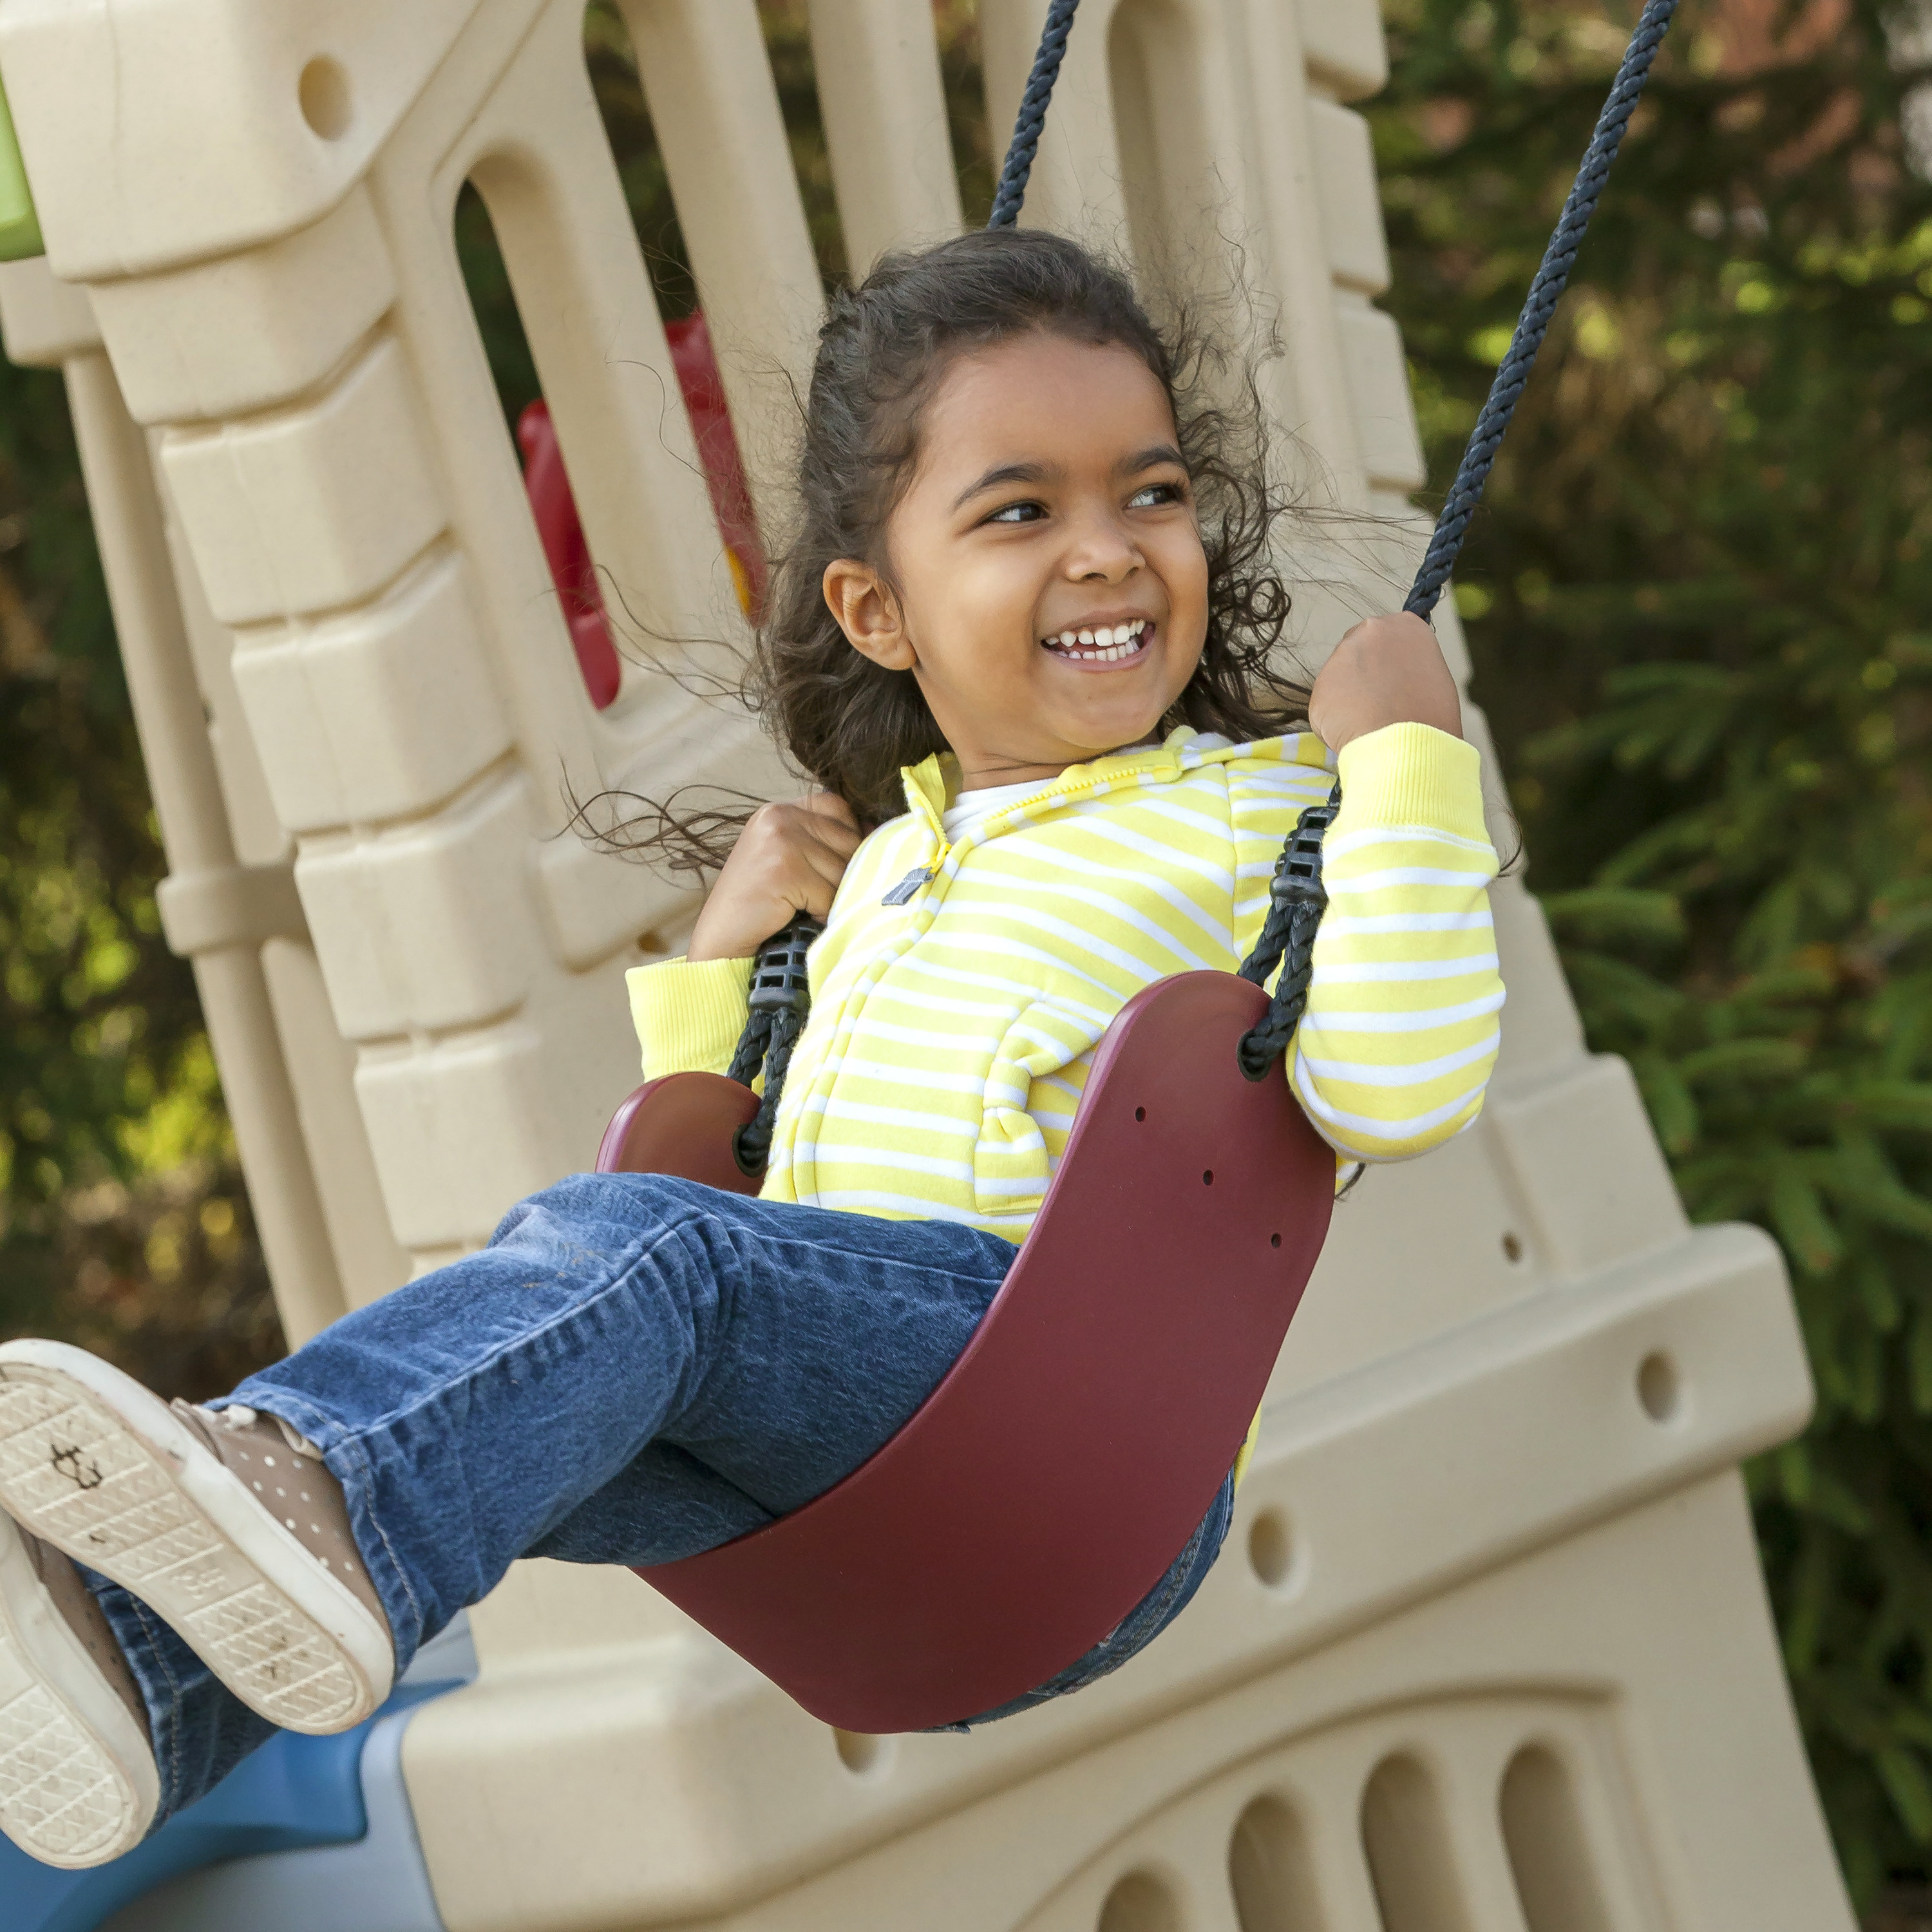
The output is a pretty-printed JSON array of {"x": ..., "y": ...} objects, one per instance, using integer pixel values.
[
  {"x": 122, "y": 1219},
  {"x": 1696, "y": 601}
]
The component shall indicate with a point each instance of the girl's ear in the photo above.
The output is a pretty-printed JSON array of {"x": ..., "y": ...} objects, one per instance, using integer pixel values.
[{"x": 863, "y": 604}]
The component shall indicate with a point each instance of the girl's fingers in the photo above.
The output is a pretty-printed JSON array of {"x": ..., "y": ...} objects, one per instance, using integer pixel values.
[
  {"x": 1387, "y": 670},
  {"x": 831, "y": 820},
  {"x": 817, "y": 894},
  {"x": 829, "y": 804},
  {"x": 827, "y": 864},
  {"x": 821, "y": 853},
  {"x": 790, "y": 859}
]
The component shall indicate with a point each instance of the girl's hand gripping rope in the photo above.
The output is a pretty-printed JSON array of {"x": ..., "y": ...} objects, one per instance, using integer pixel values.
[
  {"x": 1389, "y": 671},
  {"x": 788, "y": 859}
]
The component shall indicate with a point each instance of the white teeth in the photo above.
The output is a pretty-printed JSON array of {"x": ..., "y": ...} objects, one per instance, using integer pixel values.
[{"x": 1102, "y": 644}]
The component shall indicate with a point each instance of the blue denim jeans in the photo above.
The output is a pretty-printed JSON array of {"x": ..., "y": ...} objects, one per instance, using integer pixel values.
[{"x": 637, "y": 1368}]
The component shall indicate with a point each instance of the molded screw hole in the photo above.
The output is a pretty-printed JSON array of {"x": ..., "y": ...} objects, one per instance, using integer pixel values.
[
  {"x": 1274, "y": 1240},
  {"x": 1658, "y": 1387},
  {"x": 1207, "y": 1178},
  {"x": 1140, "y": 1113},
  {"x": 323, "y": 94},
  {"x": 1270, "y": 1548}
]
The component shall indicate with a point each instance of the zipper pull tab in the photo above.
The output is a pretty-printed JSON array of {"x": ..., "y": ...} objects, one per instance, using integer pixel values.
[{"x": 907, "y": 888}]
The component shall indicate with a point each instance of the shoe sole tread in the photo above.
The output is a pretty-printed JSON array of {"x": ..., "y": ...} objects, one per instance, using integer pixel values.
[{"x": 76, "y": 1473}]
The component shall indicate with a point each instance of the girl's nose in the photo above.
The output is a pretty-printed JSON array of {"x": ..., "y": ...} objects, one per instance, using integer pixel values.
[{"x": 1103, "y": 551}]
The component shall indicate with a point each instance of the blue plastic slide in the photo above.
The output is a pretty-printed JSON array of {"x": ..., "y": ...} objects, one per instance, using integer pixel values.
[{"x": 308, "y": 1835}]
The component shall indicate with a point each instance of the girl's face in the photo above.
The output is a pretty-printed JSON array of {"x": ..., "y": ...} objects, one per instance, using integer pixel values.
[{"x": 1051, "y": 590}]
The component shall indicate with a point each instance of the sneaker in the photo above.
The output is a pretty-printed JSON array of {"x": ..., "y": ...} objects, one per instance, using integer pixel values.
[
  {"x": 232, "y": 1531},
  {"x": 78, "y": 1785}
]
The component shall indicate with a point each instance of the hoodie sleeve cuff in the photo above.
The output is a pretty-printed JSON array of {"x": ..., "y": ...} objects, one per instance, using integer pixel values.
[
  {"x": 1412, "y": 775},
  {"x": 688, "y": 1017}
]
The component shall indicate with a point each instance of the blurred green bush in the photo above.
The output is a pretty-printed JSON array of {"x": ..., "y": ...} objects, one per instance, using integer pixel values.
[
  {"x": 124, "y": 1224},
  {"x": 1700, "y": 599}
]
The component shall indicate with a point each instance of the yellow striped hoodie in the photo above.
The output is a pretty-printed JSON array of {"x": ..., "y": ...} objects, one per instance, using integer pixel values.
[{"x": 960, "y": 988}]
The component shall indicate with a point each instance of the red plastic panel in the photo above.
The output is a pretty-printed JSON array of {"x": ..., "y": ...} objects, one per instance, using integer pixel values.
[
  {"x": 1048, "y": 1481},
  {"x": 704, "y": 391},
  {"x": 567, "y": 553},
  {"x": 561, "y": 529},
  {"x": 681, "y": 1124}
]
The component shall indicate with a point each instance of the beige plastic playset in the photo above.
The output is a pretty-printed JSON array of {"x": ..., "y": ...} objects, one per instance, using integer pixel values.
[{"x": 1489, "y": 1650}]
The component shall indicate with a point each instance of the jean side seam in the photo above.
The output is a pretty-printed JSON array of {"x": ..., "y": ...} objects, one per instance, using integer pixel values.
[{"x": 353, "y": 1446}]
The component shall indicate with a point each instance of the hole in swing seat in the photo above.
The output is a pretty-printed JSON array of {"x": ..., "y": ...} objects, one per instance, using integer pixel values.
[
  {"x": 1140, "y": 1113},
  {"x": 1274, "y": 1240},
  {"x": 1207, "y": 1178}
]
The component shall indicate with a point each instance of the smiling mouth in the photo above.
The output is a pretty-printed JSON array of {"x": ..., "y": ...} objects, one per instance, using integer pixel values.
[{"x": 1104, "y": 643}]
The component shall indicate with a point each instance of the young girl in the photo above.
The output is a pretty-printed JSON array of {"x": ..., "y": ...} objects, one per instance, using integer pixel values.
[{"x": 1020, "y": 643}]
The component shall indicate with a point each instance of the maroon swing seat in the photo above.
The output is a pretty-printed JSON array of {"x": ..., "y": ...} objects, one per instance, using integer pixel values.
[{"x": 1045, "y": 1486}]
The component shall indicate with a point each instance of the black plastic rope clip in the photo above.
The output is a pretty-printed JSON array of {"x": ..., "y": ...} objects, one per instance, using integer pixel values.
[
  {"x": 1298, "y": 872},
  {"x": 1296, "y": 899},
  {"x": 778, "y": 973},
  {"x": 779, "y": 998}
]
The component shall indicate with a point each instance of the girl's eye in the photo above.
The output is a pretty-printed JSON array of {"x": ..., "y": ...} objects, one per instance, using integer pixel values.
[
  {"x": 1018, "y": 513},
  {"x": 1156, "y": 495}
]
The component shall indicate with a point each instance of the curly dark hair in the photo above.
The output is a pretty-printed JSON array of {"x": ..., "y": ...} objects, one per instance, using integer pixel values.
[{"x": 849, "y": 724}]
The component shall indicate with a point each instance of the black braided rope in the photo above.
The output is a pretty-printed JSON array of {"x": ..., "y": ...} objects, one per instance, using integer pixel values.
[
  {"x": 750, "y": 1055},
  {"x": 1486, "y": 439},
  {"x": 753, "y": 1145},
  {"x": 1032, "y": 116},
  {"x": 1294, "y": 915}
]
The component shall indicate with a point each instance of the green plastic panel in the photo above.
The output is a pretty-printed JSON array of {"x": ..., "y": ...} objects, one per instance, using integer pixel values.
[{"x": 20, "y": 229}]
